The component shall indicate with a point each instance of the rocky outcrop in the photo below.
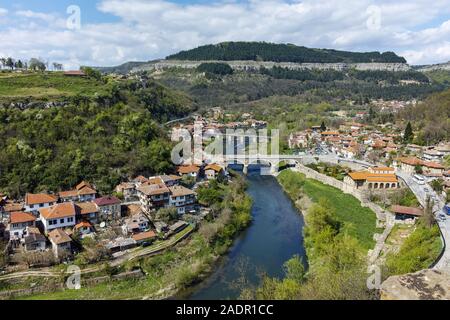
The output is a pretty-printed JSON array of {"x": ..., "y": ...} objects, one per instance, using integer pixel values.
[
  {"x": 423, "y": 285},
  {"x": 256, "y": 65},
  {"x": 434, "y": 67}
]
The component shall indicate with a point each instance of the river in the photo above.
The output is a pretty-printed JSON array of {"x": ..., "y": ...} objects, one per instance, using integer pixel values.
[{"x": 274, "y": 236}]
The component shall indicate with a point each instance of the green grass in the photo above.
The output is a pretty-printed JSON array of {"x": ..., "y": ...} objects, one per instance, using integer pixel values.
[
  {"x": 440, "y": 76},
  {"x": 418, "y": 251},
  {"x": 48, "y": 86},
  {"x": 359, "y": 221}
]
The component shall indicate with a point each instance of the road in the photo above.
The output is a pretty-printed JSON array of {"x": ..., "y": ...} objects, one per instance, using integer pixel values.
[{"x": 444, "y": 225}]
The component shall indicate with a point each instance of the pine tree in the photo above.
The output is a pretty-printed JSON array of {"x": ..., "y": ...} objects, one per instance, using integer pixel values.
[
  {"x": 409, "y": 135},
  {"x": 323, "y": 127}
]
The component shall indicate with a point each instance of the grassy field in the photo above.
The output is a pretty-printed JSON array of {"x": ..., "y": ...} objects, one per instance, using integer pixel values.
[
  {"x": 47, "y": 85},
  {"x": 360, "y": 222}
]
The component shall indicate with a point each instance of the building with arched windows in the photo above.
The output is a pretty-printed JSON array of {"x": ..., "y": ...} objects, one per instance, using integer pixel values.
[{"x": 376, "y": 178}]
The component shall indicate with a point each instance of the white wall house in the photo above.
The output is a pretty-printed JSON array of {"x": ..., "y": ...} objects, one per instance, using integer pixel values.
[
  {"x": 182, "y": 198},
  {"x": 18, "y": 223},
  {"x": 61, "y": 215},
  {"x": 34, "y": 202}
]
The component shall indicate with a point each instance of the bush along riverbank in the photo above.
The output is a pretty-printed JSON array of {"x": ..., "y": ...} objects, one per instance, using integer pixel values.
[
  {"x": 338, "y": 234},
  {"x": 187, "y": 263}
]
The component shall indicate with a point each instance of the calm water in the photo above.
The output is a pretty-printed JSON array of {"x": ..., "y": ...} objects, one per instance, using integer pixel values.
[{"x": 273, "y": 238}]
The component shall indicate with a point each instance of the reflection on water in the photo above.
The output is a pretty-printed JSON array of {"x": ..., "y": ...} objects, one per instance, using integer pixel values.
[{"x": 273, "y": 238}]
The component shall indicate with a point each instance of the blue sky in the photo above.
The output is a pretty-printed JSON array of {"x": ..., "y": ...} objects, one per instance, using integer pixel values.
[{"x": 116, "y": 31}]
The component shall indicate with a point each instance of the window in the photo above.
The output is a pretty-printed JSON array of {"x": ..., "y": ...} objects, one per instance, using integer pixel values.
[
  {"x": 69, "y": 219},
  {"x": 61, "y": 220},
  {"x": 50, "y": 222},
  {"x": 41, "y": 205}
]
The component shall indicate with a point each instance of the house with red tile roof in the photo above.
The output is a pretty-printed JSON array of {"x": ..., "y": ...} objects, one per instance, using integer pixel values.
[
  {"x": 61, "y": 242},
  {"x": 61, "y": 215},
  {"x": 18, "y": 223},
  {"x": 83, "y": 192},
  {"x": 375, "y": 178},
  {"x": 109, "y": 207},
  {"x": 34, "y": 202}
]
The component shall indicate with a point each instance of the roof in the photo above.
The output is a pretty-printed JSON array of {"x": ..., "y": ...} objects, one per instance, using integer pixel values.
[
  {"x": 21, "y": 217},
  {"x": 11, "y": 207},
  {"x": 178, "y": 225},
  {"x": 180, "y": 191},
  {"x": 34, "y": 235},
  {"x": 412, "y": 161},
  {"x": 373, "y": 177},
  {"x": 106, "y": 201},
  {"x": 83, "y": 224},
  {"x": 140, "y": 179},
  {"x": 144, "y": 236},
  {"x": 407, "y": 210},
  {"x": 433, "y": 165},
  {"x": 83, "y": 188},
  {"x": 39, "y": 198},
  {"x": 75, "y": 73},
  {"x": 60, "y": 210},
  {"x": 214, "y": 167},
  {"x": 87, "y": 208},
  {"x": 330, "y": 133},
  {"x": 188, "y": 169},
  {"x": 59, "y": 236},
  {"x": 154, "y": 189}
]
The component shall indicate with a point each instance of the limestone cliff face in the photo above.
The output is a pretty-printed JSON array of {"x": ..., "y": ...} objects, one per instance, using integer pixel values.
[
  {"x": 433, "y": 67},
  {"x": 256, "y": 65},
  {"x": 423, "y": 285}
]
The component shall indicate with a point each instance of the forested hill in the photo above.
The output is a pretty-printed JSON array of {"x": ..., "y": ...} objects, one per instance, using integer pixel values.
[
  {"x": 262, "y": 51},
  {"x": 106, "y": 131}
]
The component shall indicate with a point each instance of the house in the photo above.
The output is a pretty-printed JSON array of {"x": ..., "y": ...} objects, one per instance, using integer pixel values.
[
  {"x": 409, "y": 165},
  {"x": 34, "y": 202},
  {"x": 128, "y": 189},
  {"x": 61, "y": 215},
  {"x": 87, "y": 211},
  {"x": 18, "y": 223},
  {"x": 433, "y": 155},
  {"x": 170, "y": 180},
  {"x": 153, "y": 197},
  {"x": 327, "y": 134},
  {"x": 83, "y": 228},
  {"x": 121, "y": 244},
  {"x": 178, "y": 226},
  {"x": 374, "y": 178},
  {"x": 74, "y": 73},
  {"x": 182, "y": 198},
  {"x": 144, "y": 237},
  {"x": 405, "y": 213},
  {"x": 34, "y": 240},
  {"x": 213, "y": 171},
  {"x": 298, "y": 140},
  {"x": 135, "y": 224},
  {"x": 191, "y": 171},
  {"x": 83, "y": 192},
  {"x": 61, "y": 242},
  {"x": 109, "y": 207},
  {"x": 140, "y": 180}
]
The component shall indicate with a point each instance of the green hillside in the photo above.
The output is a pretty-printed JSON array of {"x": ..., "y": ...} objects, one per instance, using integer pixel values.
[
  {"x": 108, "y": 130},
  {"x": 262, "y": 51}
]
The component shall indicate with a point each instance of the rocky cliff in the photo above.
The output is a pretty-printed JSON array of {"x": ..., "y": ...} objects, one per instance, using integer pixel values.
[{"x": 256, "y": 65}]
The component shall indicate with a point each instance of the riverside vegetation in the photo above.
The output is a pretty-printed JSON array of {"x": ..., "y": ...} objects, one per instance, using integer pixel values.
[{"x": 338, "y": 234}]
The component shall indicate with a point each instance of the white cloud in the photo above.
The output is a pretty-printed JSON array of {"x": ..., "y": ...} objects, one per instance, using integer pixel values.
[{"x": 153, "y": 29}]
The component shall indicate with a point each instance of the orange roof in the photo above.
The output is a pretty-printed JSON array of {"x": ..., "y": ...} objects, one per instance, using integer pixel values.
[
  {"x": 21, "y": 217},
  {"x": 382, "y": 178},
  {"x": 61, "y": 210},
  {"x": 359, "y": 175},
  {"x": 188, "y": 169},
  {"x": 87, "y": 208},
  {"x": 59, "y": 236},
  {"x": 154, "y": 189},
  {"x": 144, "y": 236},
  {"x": 214, "y": 167},
  {"x": 330, "y": 133},
  {"x": 83, "y": 224},
  {"x": 373, "y": 177},
  {"x": 433, "y": 165},
  {"x": 413, "y": 161},
  {"x": 31, "y": 199}
]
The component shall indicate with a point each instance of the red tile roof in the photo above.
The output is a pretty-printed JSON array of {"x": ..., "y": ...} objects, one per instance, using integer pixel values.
[
  {"x": 407, "y": 210},
  {"x": 31, "y": 199},
  {"x": 60, "y": 210},
  {"x": 107, "y": 201},
  {"x": 21, "y": 217}
]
